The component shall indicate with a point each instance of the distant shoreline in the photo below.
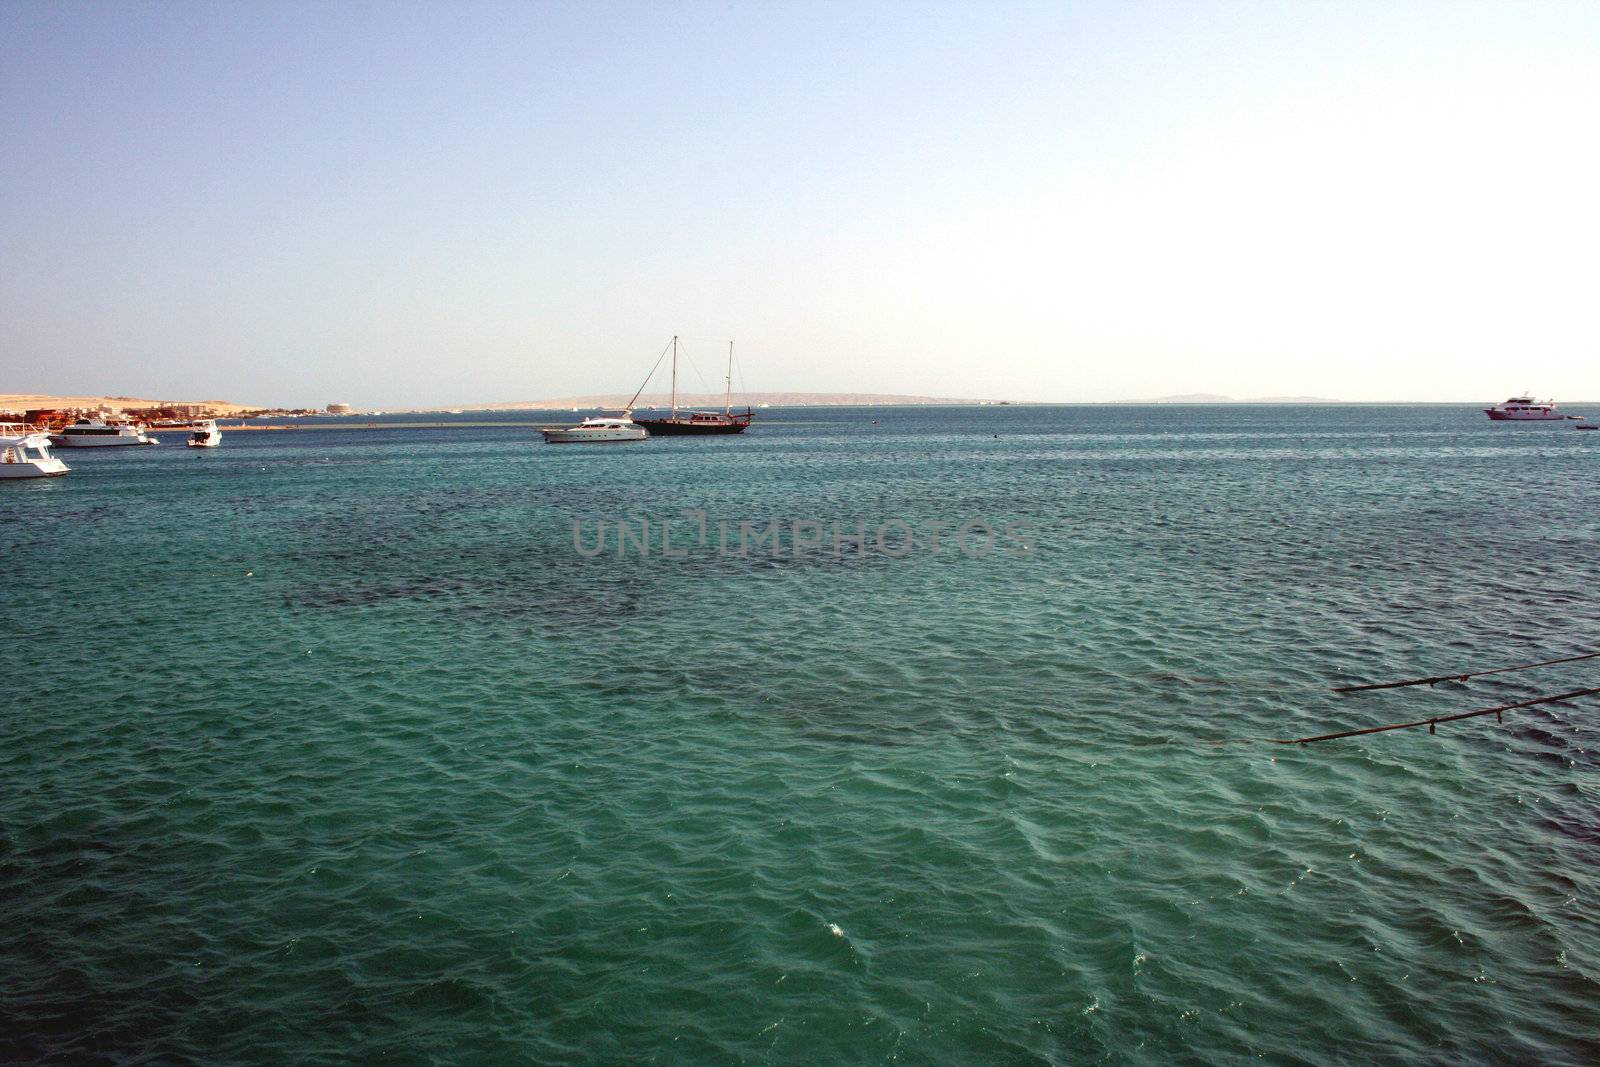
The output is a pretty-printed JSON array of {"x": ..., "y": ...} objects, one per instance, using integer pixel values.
[
  {"x": 21, "y": 402},
  {"x": 716, "y": 401}
]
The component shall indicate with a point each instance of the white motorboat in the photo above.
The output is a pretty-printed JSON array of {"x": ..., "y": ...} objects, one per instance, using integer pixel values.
[
  {"x": 97, "y": 433},
  {"x": 205, "y": 434},
  {"x": 1527, "y": 409},
  {"x": 25, "y": 453},
  {"x": 597, "y": 431}
]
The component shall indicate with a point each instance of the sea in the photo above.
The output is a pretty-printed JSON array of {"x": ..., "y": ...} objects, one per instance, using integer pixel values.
[{"x": 924, "y": 735}]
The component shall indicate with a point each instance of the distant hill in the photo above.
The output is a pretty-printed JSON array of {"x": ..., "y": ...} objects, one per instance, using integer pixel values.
[
  {"x": 714, "y": 401},
  {"x": 1217, "y": 398},
  {"x": 1186, "y": 398}
]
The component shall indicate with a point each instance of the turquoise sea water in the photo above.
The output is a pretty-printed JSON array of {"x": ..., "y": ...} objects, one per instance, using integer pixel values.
[{"x": 329, "y": 746}]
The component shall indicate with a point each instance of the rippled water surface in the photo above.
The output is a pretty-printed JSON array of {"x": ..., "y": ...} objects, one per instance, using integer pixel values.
[{"x": 330, "y": 745}]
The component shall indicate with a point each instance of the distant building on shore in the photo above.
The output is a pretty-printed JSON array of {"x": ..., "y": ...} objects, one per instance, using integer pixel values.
[
  {"x": 340, "y": 409},
  {"x": 170, "y": 410},
  {"x": 56, "y": 417}
]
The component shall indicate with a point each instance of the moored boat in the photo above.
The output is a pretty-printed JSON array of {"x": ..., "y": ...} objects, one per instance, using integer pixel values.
[
  {"x": 604, "y": 430},
  {"x": 1527, "y": 409},
  {"x": 205, "y": 435},
  {"x": 97, "y": 433},
  {"x": 725, "y": 421},
  {"x": 25, "y": 453}
]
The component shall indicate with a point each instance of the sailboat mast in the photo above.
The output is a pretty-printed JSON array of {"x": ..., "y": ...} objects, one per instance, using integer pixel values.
[
  {"x": 674, "y": 375},
  {"x": 727, "y": 401}
]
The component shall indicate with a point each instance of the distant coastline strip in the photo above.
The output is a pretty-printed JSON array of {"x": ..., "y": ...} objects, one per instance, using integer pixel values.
[
  {"x": 1461, "y": 677},
  {"x": 1430, "y": 723}
]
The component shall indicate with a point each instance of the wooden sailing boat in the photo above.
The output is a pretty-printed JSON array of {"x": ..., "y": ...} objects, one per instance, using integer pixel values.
[{"x": 698, "y": 422}]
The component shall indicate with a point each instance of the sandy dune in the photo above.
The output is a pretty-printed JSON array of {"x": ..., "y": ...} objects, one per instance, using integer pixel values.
[{"x": 25, "y": 401}]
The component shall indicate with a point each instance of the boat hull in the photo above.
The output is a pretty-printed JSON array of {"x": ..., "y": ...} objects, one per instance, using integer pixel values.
[
  {"x": 1496, "y": 415},
  {"x": 18, "y": 471},
  {"x": 684, "y": 428},
  {"x": 107, "y": 441},
  {"x": 595, "y": 437},
  {"x": 34, "y": 468}
]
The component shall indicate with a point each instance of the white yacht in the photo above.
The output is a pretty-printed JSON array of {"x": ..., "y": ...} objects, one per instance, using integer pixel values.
[
  {"x": 205, "y": 434},
  {"x": 97, "y": 433},
  {"x": 598, "y": 430},
  {"x": 25, "y": 453},
  {"x": 1527, "y": 409}
]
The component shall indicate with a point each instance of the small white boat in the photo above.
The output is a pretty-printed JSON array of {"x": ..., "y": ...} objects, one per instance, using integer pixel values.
[
  {"x": 597, "y": 431},
  {"x": 25, "y": 453},
  {"x": 1527, "y": 409},
  {"x": 205, "y": 435},
  {"x": 97, "y": 433}
]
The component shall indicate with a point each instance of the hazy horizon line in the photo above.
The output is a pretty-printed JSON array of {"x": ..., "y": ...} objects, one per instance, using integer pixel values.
[{"x": 772, "y": 397}]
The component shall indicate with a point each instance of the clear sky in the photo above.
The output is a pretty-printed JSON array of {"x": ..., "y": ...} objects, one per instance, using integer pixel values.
[{"x": 447, "y": 203}]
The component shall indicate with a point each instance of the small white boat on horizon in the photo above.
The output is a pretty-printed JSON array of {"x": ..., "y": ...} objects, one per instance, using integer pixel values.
[
  {"x": 602, "y": 430},
  {"x": 97, "y": 433},
  {"x": 25, "y": 453},
  {"x": 205, "y": 434}
]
